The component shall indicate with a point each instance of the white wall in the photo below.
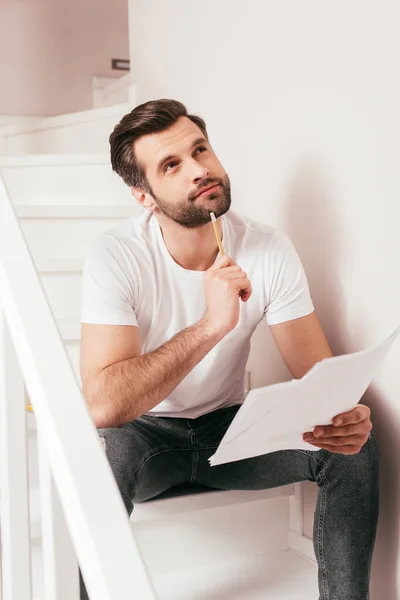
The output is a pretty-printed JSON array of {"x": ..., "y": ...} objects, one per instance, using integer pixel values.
[
  {"x": 302, "y": 104},
  {"x": 50, "y": 51}
]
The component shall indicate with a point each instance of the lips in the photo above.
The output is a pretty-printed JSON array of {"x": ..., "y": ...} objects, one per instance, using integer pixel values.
[{"x": 213, "y": 187}]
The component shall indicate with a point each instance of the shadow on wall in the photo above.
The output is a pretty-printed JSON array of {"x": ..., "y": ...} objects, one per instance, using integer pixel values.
[
  {"x": 313, "y": 224},
  {"x": 384, "y": 577},
  {"x": 311, "y": 219}
]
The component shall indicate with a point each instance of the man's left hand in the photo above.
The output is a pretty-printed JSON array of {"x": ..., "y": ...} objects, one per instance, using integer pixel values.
[{"x": 348, "y": 433}]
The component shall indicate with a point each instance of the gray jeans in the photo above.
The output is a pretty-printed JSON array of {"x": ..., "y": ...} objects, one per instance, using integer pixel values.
[{"x": 152, "y": 454}]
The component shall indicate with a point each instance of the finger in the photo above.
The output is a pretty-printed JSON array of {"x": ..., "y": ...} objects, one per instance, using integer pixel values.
[
  {"x": 231, "y": 269},
  {"x": 237, "y": 274},
  {"x": 359, "y": 413},
  {"x": 244, "y": 288},
  {"x": 222, "y": 261},
  {"x": 245, "y": 295},
  {"x": 344, "y": 440},
  {"x": 348, "y": 450},
  {"x": 352, "y": 429}
]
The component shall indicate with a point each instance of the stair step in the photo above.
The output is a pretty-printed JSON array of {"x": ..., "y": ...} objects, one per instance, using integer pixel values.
[
  {"x": 282, "y": 575},
  {"x": 48, "y": 265},
  {"x": 88, "y": 131},
  {"x": 63, "y": 179},
  {"x": 53, "y": 160},
  {"x": 233, "y": 527},
  {"x": 278, "y": 576},
  {"x": 189, "y": 499},
  {"x": 65, "y": 120},
  {"x": 75, "y": 211}
]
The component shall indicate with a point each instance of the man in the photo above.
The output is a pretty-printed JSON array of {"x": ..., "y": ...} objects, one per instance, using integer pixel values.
[{"x": 166, "y": 327}]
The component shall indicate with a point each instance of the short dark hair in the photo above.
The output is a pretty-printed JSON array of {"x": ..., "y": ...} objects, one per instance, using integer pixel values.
[{"x": 151, "y": 117}]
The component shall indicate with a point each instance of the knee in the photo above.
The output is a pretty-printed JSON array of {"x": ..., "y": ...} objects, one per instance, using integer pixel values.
[
  {"x": 364, "y": 465},
  {"x": 119, "y": 448}
]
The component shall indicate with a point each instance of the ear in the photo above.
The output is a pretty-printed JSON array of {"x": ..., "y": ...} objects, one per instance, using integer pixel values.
[{"x": 144, "y": 198}]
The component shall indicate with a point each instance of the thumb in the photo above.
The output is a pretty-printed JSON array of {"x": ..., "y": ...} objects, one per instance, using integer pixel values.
[{"x": 223, "y": 261}]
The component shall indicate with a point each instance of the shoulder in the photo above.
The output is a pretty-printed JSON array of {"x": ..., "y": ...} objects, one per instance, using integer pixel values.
[
  {"x": 119, "y": 243},
  {"x": 254, "y": 233}
]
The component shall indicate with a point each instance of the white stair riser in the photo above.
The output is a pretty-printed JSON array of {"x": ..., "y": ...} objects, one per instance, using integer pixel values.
[
  {"x": 108, "y": 91},
  {"x": 63, "y": 238},
  {"x": 204, "y": 537},
  {"x": 91, "y": 184},
  {"x": 63, "y": 291},
  {"x": 17, "y": 120},
  {"x": 88, "y": 137},
  {"x": 73, "y": 350}
]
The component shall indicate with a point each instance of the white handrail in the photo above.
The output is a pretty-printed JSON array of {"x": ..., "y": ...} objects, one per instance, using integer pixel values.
[{"x": 97, "y": 520}]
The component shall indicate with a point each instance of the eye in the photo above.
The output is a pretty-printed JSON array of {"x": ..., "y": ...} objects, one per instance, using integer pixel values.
[
  {"x": 202, "y": 148},
  {"x": 170, "y": 164}
]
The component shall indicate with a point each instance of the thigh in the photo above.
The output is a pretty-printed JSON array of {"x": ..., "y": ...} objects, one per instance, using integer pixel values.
[
  {"x": 261, "y": 472},
  {"x": 147, "y": 456},
  {"x": 258, "y": 473}
]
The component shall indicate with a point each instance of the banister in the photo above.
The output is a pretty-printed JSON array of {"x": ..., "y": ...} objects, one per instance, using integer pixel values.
[{"x": 99, "y": 526}]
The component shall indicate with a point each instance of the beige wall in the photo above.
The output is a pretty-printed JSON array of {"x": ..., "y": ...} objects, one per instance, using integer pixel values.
[
  {"x": 50, "y": 49},
  {"x": 302, "y": 104}
]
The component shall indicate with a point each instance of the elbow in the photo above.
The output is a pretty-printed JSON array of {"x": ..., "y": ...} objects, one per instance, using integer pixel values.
[
  {"x": 100, "y": 418},
  {"x": 98, "y": 409}
]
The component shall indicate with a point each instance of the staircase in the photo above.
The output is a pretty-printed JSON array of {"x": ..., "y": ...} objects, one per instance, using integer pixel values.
[{"x": 214, "y": 545}]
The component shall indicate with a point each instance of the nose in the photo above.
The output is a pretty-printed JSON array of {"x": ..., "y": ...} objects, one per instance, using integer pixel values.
[{"x": 199, "y": 171}]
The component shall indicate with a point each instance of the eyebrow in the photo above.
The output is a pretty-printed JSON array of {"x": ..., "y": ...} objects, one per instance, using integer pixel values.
[{"x": 201, "y": 140}]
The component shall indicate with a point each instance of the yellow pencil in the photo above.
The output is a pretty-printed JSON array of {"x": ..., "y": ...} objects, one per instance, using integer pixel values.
[{"x": 214, "y": 222}]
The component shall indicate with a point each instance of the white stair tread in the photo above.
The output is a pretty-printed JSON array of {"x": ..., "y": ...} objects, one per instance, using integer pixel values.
[
  {"x": 52, "y": 160},
  {"x": 75, "y": 211},
  {"x": 59, "y": 265},
  {"x": 278, "y": 576},
  {"x": 175, "y": 503},
  {"x": 65, "y": 120}
]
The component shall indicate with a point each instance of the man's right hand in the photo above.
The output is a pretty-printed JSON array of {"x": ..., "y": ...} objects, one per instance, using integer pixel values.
[{"x": 225, "y": 284}]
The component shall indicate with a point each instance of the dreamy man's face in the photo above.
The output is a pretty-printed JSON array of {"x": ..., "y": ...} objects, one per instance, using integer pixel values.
[{"x": 179, "y": 164}]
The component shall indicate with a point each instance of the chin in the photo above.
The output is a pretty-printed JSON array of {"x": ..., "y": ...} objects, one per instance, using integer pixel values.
[{"x": 221, "y": 210}]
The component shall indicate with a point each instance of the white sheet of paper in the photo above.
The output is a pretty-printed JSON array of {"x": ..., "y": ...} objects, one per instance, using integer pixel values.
[{"x": 275, "y": 417}]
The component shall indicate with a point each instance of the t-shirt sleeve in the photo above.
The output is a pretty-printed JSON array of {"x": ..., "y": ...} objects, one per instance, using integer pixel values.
[
  {"x": 108, "y": 294},
  {"x": 288, "y": 292}
]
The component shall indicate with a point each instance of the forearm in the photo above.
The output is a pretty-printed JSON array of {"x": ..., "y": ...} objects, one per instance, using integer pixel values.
[{"x": 126, "y": 390}]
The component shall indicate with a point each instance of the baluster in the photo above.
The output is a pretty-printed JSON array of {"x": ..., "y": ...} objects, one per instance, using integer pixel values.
[
  {"x": 61, "y": 575},
  {"x": 14, "y": 482},
  {"x": 1, "y": 559}
]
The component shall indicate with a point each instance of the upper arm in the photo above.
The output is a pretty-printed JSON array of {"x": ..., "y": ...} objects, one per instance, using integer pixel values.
[
  {"x": 109, "y": 331},
  {"x": 105, "y": 345},
  {"x": 301, "y": 343},
  {"x": 287, "y": 292}
]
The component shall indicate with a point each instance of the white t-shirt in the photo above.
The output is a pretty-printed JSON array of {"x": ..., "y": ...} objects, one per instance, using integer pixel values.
[{"x": 130, "y": 278}]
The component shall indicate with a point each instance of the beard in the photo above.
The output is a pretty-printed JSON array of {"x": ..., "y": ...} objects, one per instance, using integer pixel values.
[{"x": 195, "y": 212}]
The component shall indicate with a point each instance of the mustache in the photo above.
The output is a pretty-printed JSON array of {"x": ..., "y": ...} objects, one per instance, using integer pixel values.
[{"x": 206, "y": 183}]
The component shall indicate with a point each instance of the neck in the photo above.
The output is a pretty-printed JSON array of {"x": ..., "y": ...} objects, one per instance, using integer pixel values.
[{"x": 193, "y": 249}]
